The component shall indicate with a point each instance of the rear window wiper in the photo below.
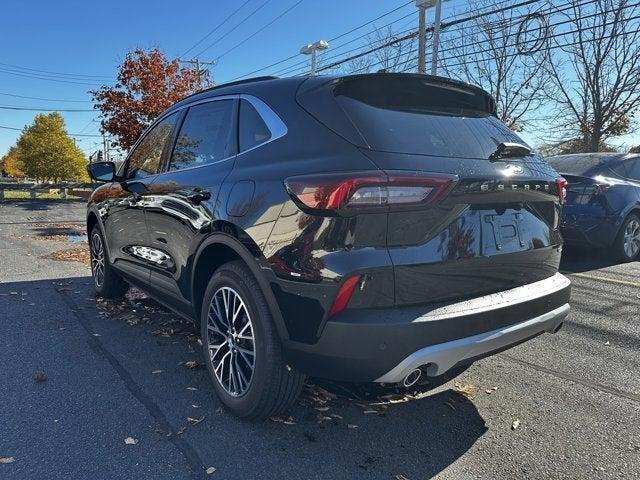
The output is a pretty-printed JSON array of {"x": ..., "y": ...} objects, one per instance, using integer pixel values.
[{"x": 510, "y": 150}]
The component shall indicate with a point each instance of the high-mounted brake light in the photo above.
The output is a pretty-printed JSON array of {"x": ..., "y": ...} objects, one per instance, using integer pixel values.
[
  {"x": 561, "y": 186},
  {"x": 367, "y": 190}
]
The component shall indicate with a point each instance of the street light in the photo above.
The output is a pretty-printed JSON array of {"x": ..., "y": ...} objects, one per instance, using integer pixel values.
[
  {"x": 422, "y": 27},
  {"x": 311, "y": 49}
]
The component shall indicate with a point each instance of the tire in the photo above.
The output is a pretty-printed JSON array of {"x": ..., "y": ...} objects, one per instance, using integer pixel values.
[
  {"x": 107, "y": 283},
  {"x": 260, "y": 384},
  {"x": 627, "y": 244}
]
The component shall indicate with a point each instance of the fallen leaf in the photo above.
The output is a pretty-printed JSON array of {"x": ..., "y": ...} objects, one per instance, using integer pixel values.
[
  {"x": 195, "y": 421},
  {"x": 40, "y": 377},
  {"x": 515, "y": 424},
  {"x": 607, "y": 343},
  {"x": 131, "y": 441},
  {"x": 157, "y": 371},
  {"x": 211, "y": 470},
  {"x": 282, "y": 419},
  {"x": 351, "y": 425},
  {"x": 192, "y": 388},
  {"x": 321, "y": 409},
  {"x": 191, "y": 364},
  {"x": 466, "y": 390},
  {"x": 5, "y": 460}
]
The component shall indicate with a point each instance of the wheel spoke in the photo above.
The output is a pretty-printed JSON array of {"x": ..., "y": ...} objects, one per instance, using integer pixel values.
[{"x": 230, "y": 341}]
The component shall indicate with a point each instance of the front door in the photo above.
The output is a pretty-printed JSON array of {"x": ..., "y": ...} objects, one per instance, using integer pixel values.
[{"x": 125, "y": 223}]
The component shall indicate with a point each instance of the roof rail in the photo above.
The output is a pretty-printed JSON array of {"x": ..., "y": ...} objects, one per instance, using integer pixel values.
[{"x": 229, "y": 84}]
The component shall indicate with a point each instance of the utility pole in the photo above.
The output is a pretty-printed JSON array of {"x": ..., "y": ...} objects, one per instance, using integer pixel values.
[
  {"x": 436, "y": 38},
  {"x": 199, "y": 70},
  {"x": 311, "y": 49},
  {"x": 422, "y": 34},
  {"x": 105, "y": 147}
]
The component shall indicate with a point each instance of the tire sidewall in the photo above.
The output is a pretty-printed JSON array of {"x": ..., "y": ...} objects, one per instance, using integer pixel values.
[{"x": 262, "y": 332}]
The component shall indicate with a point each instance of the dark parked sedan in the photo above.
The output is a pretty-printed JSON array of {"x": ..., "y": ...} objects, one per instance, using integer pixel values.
[
  {"x": 370, "y": 228},
  {"x": 603, "y": 201}
]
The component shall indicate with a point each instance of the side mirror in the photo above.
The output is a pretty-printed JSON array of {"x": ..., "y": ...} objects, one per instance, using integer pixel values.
[{"x": 102, "y": 171}]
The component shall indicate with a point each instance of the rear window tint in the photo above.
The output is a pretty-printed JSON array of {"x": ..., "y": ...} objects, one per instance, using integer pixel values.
[
  {"x": 411, "y": 114},
  {"x": 398, "y": 129}
]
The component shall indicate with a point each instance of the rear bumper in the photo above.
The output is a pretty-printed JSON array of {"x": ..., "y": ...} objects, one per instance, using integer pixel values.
[
  {"x": 442, "y": 357},
  {"x": 588, "y": 230},
  {"x": 384, "y": 345}
]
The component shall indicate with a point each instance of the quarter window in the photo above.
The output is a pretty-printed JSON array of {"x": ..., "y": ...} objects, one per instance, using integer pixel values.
[
  {"x": 146, "y": 158},
  {"x": 253, "y": 129},
  {"x": 206, "y": 135}
]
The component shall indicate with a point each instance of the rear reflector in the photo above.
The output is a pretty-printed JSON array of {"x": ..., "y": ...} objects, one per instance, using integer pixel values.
[
  {"x": 344, "y": 295},
  {"x": 561, "y": 184},
  {"x": 366, "y": 190}
]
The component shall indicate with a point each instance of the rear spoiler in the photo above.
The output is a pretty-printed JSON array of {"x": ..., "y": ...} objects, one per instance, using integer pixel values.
[{"x": 483, "y": 101}]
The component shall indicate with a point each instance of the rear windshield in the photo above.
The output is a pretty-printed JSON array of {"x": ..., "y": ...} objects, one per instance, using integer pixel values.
[
  {"x": 581, "y": 164},
  {"x": 405, "y": 114}
]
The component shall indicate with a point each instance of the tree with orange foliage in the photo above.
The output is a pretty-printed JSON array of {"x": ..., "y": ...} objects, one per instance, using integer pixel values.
[{"x": 147, "y": 84}]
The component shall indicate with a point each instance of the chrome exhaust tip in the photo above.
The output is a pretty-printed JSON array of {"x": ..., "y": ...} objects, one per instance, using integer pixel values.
[{"x": 412, "y": 378}]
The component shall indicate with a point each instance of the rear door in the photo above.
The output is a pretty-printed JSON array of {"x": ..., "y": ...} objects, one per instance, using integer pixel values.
[
  {"x": 184, "y": 204},
  {"x": 495, "y": 229}
]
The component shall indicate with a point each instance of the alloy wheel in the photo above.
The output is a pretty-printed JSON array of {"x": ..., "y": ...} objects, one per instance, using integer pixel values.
[
  {"x": 97, "y": 259},
  {"x": 632, "y": 238},
  {"x": 231, "y": 342}
]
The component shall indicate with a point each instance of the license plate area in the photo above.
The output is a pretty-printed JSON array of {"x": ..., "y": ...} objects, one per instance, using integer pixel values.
[{"x": 503, "y": 232}]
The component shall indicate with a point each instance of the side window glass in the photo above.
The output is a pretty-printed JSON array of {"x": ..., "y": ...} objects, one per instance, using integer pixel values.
[
  {"x": 634, "y": 169},
  {"x": 146, "y": 158},
  {"x": 206, "y": 135},
  {"x": 253, "y": 129}
]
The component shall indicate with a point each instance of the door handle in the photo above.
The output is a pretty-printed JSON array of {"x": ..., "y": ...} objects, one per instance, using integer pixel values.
[{"x": 198, "y": 196}]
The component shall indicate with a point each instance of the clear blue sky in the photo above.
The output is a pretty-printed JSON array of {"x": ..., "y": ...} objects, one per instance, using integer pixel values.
[{"x": 91, "y": 38}]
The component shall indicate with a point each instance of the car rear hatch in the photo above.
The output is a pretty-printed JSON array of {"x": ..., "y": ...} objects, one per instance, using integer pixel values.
[{"x": 493, "y": 228}]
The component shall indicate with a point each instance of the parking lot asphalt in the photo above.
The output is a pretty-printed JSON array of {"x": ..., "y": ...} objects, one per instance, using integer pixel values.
[{"x": 560, "y": 406}]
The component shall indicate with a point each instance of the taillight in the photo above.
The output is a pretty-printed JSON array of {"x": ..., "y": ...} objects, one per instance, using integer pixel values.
[
  {"x": 368, "y": 190},
  {"x": 561, "y": 187}
]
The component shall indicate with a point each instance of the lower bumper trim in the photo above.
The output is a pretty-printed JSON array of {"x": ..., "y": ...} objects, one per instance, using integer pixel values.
[{"x": 441, "y": 357}]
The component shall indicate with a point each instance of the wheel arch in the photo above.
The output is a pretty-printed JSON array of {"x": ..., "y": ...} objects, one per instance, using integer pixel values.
[{"x": 220, "y": 248}]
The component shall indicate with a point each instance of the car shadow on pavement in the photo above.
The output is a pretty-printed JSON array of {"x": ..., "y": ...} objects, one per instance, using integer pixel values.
[
  {"x": 332, "y": 432},
  {"x": 577, "y": 260}
]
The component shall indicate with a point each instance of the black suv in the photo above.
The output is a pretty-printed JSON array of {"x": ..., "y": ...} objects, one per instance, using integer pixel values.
[{"x": 369, "y": 228}]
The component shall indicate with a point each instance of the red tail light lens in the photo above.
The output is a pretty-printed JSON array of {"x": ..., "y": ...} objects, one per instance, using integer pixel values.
[
  {"x": 366, "y": 190},
  {"x": 561, "y": 185},
  {"x": 344, "y": 295}
]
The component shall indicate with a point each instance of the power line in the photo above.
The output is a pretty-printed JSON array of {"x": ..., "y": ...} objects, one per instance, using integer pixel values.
[
  {"x": 50, "y": 79},
  {"x": 70, "y": 134},
  {"x": 410, "y": 34},
  {"x": 511, "y": 22},
  {"x": 260, "y": 29},
  {"x": 215, "y": 29},
  {"x": 44, "y": 99},
  {"x": 297, "y": 55},
  {"x": 253, "y": 12},
  {"x": 51, "y": 73},
  {"x": 44, "y": 109}
]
